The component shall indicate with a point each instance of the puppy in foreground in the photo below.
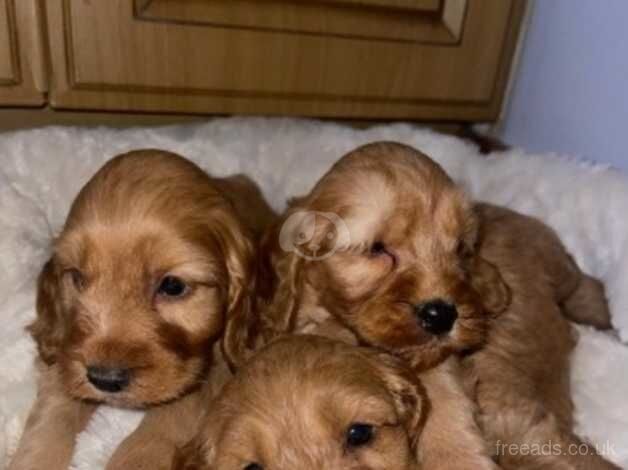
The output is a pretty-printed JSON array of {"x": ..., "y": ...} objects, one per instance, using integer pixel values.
[
  {"x": 152, "y": 264},
  {"x": 391, "y": 249},
  {"x": 310, "y": 403}
]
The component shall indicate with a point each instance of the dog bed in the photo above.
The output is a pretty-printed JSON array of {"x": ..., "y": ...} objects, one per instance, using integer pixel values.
[{"x": 42, "y": 170}]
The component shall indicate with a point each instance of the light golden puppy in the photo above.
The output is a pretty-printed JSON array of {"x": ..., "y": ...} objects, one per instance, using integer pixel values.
[
  {"x": 151, "y": 266},
  {"x": 309, "y": 403},
  {"x": 385, "y": 243},
  {"x": 390, "y": 248}
]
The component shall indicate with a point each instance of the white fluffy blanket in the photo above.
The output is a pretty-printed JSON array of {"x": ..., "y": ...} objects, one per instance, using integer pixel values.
[{"x": 42, "y": 170}]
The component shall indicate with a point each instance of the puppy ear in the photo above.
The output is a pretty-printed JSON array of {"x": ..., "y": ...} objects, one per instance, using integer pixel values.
[
  {"x": 408, "y": 393},
  {"x": 48, "y": 329},
  {"x": 287, "y": 256},
  {"x": 489, "y": 284},
  {"x": 280, "y": 312},
  {"x": 238, "y": 253},
  {"x": 279, "y": 281},
  {"x": 272, "y": 288}
]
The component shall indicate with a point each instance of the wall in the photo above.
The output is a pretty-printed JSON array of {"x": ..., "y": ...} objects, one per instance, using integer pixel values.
[{"x": 571, "y": 92}]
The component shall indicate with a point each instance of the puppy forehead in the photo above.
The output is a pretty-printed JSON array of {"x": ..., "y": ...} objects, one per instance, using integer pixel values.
[
  {"x": 364, "y": 402},
  {"x": 143, "y": 245},
  {"x": 448, "y": 215},
  {"x": 302, "y": 392},
  {"x": 372, "y": 199},
  {"x": 328, "y": 391},
  {"x": 394, "y": 200},
  {"x": 309, "y": 414}
]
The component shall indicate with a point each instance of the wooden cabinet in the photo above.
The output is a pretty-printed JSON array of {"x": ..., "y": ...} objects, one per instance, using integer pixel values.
[
  {"x": 22, "y": 78},
  {"x": 411, "y": 59}
]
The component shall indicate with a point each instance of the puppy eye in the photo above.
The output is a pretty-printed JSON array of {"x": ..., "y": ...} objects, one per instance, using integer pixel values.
[
  {"x": 172, "y": 286},
  {"x": 359, "y": 434},
  {"x": 378, "y": 248},
  {"x": 253, "y": 466},
  {"x": 77, "y": 278}
]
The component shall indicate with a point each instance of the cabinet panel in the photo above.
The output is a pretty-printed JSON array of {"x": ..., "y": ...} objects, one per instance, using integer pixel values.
[
  {"x": 8, "y": 66},
  {"x": 22, "y": 80},
  {"x": 342, "y": 19},
  {"x": 417, "y": 5},
  {"x": 361, "y": 58}
]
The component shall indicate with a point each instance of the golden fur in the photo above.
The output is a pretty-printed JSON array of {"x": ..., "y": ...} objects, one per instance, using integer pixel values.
[
  {"x": 291, "y": 407},
  {"x": 145, "y": 218},
  {"x": 416, "y": 211},
  {"x": 412, "y": 236},
  {"x": 520, "y": 379}
]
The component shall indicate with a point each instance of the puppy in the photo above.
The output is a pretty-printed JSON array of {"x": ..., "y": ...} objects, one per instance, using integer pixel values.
[
  {"x": 310, "y": 403},
  {"x": 152, "y": 264},
  {"x": 520, "y": 378},
  {"x": 388, "y": 246},
  {"x": 356, "y": 248}
]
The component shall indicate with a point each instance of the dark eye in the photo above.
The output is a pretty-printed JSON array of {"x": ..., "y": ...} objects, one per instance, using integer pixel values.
[
  {"x": 359, "y": 434},
  {"x": 77, "y": 278},
  {"x": 253, "y": 466},
  {"x": 378, "y": 248},
  {"x": 172, "y": 286}
]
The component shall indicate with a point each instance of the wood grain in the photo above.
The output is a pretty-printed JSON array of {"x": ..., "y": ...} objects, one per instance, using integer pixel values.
[
  {"x": 22, "y": 63},
  {"x": 408, "y": 5},
  {"x": 323, "y": 18},
  {"x": 412, "y": 5},
  {"x": 9, "y": 66},
  {"x": 106, "y": 57}
]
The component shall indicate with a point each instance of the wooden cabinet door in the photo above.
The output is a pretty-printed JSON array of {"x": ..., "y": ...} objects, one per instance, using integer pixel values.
[
  {"x": 413, "y": 59},
  {"x": 22, "y": 80}
]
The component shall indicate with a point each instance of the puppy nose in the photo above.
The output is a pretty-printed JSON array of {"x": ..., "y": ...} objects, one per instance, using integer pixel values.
[
  {"x": 108, "y": 379},
  {"x": 437, "y": 316}
]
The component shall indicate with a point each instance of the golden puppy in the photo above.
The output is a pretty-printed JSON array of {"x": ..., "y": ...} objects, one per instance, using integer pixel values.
[
  {"x": 520, "y": 378},
  {"x": 388, "y": 246},
  {"x": 309, "y": 403},
  {"x": 150, "y": 267},
  {"x": 388, "y": 251}
]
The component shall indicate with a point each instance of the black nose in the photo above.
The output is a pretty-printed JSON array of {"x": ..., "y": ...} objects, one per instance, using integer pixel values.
[
  {"x": 108, "y": 379},
  {"x": 437, "y": 316}
]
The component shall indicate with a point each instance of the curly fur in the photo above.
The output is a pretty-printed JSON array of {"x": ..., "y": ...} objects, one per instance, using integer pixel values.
[
  {"x": 438, "y": 244},
  {"x": 291, "y": 405},
  {"x": 143, "y": 216}
]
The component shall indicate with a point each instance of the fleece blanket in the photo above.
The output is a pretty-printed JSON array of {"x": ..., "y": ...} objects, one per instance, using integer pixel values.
[{"x": 42, "y": 170}]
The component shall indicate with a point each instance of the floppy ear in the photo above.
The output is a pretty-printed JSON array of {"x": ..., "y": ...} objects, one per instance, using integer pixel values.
[
  {"x": 488, "y": 283},
  {"x": 269, "y": 305},
  {"x": 279, "y": 313},
  {"x": 408, "y": 393},
  {"x": 238, "y": 338},
  {"x": 48, "y": 330},
  {"x": 297, "y": 229},
  {"x": 278, "y": 279},
  {"x": 239, "y": 318}
]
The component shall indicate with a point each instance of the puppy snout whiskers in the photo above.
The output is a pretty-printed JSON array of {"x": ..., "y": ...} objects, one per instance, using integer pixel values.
[
  {"x": 436, "y": 316},
  {"x": 108, "y": 379}
]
